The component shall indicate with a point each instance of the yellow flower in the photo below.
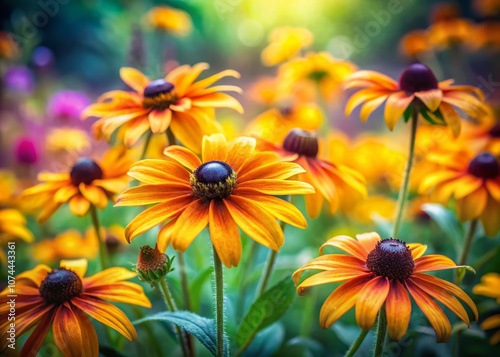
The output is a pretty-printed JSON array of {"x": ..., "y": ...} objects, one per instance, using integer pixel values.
[
  {"x": 415, "y": 43},
  {"x": 474, "y": 183},
  {"x": 88, "y": 182},
  {"x": 62, "y": 298},
  {"x": 66, "y": 245},
  {"x": 377, "y": 272},
  {"x": 284, "y": 43},
  {"x": 367, "y": 209},
  {"x": 490, "y": 287},
  {"x": 7, "y": 187},
  {"x": 484, "y": 134},
  {"x": 67, "y": 140},
  {"x": 176, "y": 102},
  {"x": 417, "y": 87},
  {"x": 317, "y": 70},
  {"x": 451, "y": 32},
  {"x": 172, "y": 20},
  {"x": 12, "y": 227},
  {"x": 232, "y": 186}
]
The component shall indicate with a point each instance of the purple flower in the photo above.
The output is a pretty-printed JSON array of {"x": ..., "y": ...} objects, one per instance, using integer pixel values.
[
  {"x": 20, "y": 79},
  {"x": 26, "y": 152},
  {"x": 67, "y": 104}
]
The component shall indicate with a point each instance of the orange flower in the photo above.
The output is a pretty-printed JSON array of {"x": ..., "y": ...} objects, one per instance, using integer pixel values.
[
  {"x": 62, "y": 298},
  {"x": 88, "y": 182},
  {"x": 332, "y": 182},
  {"x": 379, "y": 271},
  {"x": 451, "y": 32},
  {"x": 8, "y": 47},
  {"x": 415, "y": 43},
  {"x": 172, "y": 20},
  {"x": 233, "y": 186},
  {"x": 176, "y": 102},
  {"x": 490, "y": 287},
  {"x": 417, "y": 88},
  {"x": 487, "y": 7},
  {"x": 485, "y": 134},
  {"x": 284, "y": 43},
  {"x": 12, "y": 227},
  {"x": 474, "y": 182}
]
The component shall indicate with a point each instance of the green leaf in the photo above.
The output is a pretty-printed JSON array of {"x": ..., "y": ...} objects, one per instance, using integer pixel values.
[
  {"x": 267, "y": 309},
  {"x": 407, "y": 113},
  {"x": 447, "y": 221},
  {"x": 200, "y": 327},
  {"x": 197, "y": 285},
  {"x": 267, "y": 342}
]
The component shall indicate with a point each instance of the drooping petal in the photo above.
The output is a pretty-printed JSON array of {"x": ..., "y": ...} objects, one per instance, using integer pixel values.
[
  {"x": 134, "y": 130},
  {"x": 431, "y": 98},
  {"x": 473, "y": 205},
  {"x": 361, "y": 96},
  {"x": 89, "y": 335},
  {"x": 65, "y": 193},
  {"x": 489, "y": 217},
  {"x": 159, "y": 120},
  {"x": 398, "y": 310},
  {"x": 370, "y": 300},
  {"x": 79, "y": 205},
  {"x": 370, "y": 106},
  {"x": 224, "y": 234},
  {"x": 218, "y": 100},
  {"x": 395, "y": 107},
  {"x": 275, "y": 170},
  {"x": 67, "y": 332},
  {"x": 466, "y": 185},
  {"x": 192, "y": 220},
  {"x": 94, "y": 195},
  {"x": 34, "y": 342}
]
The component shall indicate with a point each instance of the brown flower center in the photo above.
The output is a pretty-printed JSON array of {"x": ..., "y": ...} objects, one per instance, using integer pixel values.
[
  {"x": 213, "y": 180},
  {"x": 150, "y": 259},
  {"x": 60, "y": 285},
  {"x": 301, "y": 142},
  {"x": 85, "y": 170},
  {"x": 391, "y": 258},
  {"x": 484, "y": 165},
  {"x": 417, "y": 78},
  {"x": 159, "y": 95}
]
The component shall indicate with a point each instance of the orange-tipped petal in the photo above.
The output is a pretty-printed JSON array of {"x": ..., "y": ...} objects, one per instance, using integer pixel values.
[
  {"x": 134, "y": 79},
  {"x": 149, "y": 194},
  {"x": 34, "y": 342},
  {"x": 183, "y": 156},
  {"x": 214, "y": 147},
  {"x": 67, "y": 332},
  {"x": 124, "y": 292},
  {"x": 159, "y": 120},
  {"x": 161, "y": 171},
  {"x": 347, "y": 244},
  {"x": 417, "y": 249},
  {"x": 395, "y": 107},
  {"x": 398, "y": 310},
  {"x": 192, "y": 220},
  {"x": 433, "y": 262},
  {"x": 217, "y": 100},
  {"x": 368, "y": 240},
  {"x": 370, "y": 106},
  {"x": 281, "y": 209},
  {"x": 451, "y": 118},
  {"x": 471, "y": 206},
  {"x": 239, "y": 151},
  {"x": 370, "y": 300},
  {"x": 274, "y": 187},
  {"x": 431, "y": 98}
]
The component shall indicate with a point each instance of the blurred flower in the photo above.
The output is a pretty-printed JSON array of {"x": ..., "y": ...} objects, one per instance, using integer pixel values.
[
  {"x": 67, "y": 104},
  {"x": 371, "y": 207},
  {"x": 414, "y": 44},
  {"x": 42, "y": 57},
  {"x": 444, "y": 11},
  {"x": 113, "y": 236},
  {"x": 176, "y": 102},
  {"x": 484, "y": 134},
  {"x": 485, "y": 35},
  {"x": 137, "y": 49},
  {"x": 19, "y": 79},
  {"x": 417, "y": 87},
  {"x": 67, "y": 140},
  {"x": 284, "y": 43},
  {"x": 451, "y": 32},
  {"x": 88, "y": 182},
  {"x": 490, "y": 287},
  {"x": 7, "y": 187},
  {"x": 332, "y": 182},
  {"x": 25, "y": 151},
  {"x": 232, "y": 187},
  {"x": 8, "y": 47},
  {"x": 172, "y": 20},
  {"x": 486, "y": 7},
  {"x": 277, "y": 122},
  {"x": 377, "y": 272},
  {"x": 62, "y": 298},
  {"x": 474, "y": 182},
  {"x": 319, "y": 70},
  {"x": 12, "y": 227}
]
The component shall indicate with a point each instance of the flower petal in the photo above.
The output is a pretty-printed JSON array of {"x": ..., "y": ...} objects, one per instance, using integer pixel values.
[
  {"x": 281, "y": 209},
  {"x": 214, "y": 147},
  {"x": 124, "y": 292},
  {"x": 159, "y": 172},
  {"x": 94, "y": 194},
  {"x": 239, "y": 151},
  {"x": 398, "y": 310},
  {"x": 224, "y": 234},
  {"x": 67, "y": 332},
  {"x": 431, "y": 98},
  {"x": 148, "y": 194},
  {"x": 134, "y": 79},
  {"x": 79, "y": 205},
  {"x": 183, "y": 156},
  {"x": 395, "y": 107},
  {"x": 159, "y": 120},
  {"x": 273, "y": 187},
  {"x": 433, "y": 262},
  {"x": 192, "y": 220},
  {"x": 217, "y": 100},
  {"x": 347, "y": 244},
  {"x": 370, "y": 300},
  {"x": 34, "y": 342},
  {"x": 471, "y": 206},
  {"x": 79, "y": 266}
]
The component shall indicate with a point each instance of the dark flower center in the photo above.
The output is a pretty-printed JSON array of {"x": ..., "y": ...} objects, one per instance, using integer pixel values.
[
  {"x": 484, "y": 165},
  {"x": 85, "y": 170},
  {"x": 60, "y": 285},
  {"x": 495, "y": 131},
  {"x": 391, "y": 258},
  {"x": 159, "y": 94},
  {"x": 417, "y": 78},
  {"x": 213, "y": 180},
  {"x": 301, "y": 142},
  {"x": 286, "y": 110}
]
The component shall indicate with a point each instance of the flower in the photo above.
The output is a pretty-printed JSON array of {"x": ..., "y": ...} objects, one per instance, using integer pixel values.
[
  {"x": 67, "y": 139},
  {"x": 451, "y": 32},
  {"x": 12, "y": 227},
  {"x": 232, "y": 186},
  {"x": 8, "y": 47},
  {"x": 67, "y": 104},
  {"x": 319, "y": 70},
  {"x": 8, "y": 185},
  {"x": 417, "y": 88},
  {"x": 88, "y": 182},
  {"x": 415, "y": 43},
  {"x": 485, "y": 134},
  {"x": 26, "y": 151},
  {"x": 487, "y": 7},
  {"x": 175, "y": 101},
  {"x": 490, "y": 287},
  {"x": 284, "y": 43},
  {"x": 62, "y": 298},
  {"x": 172, "y": 20},
  {"x": 332, "y": 182},
  {"x": 379, "y": 271},
  {"x": 473, "y": 181},
  {"x": 19, "y": 79}
]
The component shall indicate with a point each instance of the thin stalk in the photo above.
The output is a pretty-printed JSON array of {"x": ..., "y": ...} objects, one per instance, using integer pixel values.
[
  {"x": 357, "y": 343},
  {"x": 219, "y": 303},
  {"x": 403, "y": 192},
  {"x": 146, "y": 144},
  {"x": 468, "y": 242},
  {"x": 171, "y": 137},
  {"x": 169, "y": 301},
  {"x": 103, "y": 252},
  {"x": 381, "y": 332},
  {"x": 185, "y": 291}
]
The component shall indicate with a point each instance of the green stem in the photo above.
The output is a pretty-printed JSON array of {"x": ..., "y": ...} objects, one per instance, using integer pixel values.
[
  {"x": 356, "y": 344},
  {"x": 246, "y": 267},
  {"x": 185, "y": 291},
  {"x": 103, "y": 252},
  {"x": 146, "y": 144},
  {"x": 171, "y": 137},
  {"x": 268, "y": 270},
  {"x": 219, "y": 303},
  {"x": 381, "y": 332},
  {"x": 468, "y": 242},
  {"x": 169, "y": 301},
  {"x": 403, "y": 193}
]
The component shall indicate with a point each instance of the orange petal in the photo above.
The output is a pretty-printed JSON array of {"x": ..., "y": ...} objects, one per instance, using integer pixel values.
[
  {"x": 214, "y": 147},
  {"x": 224, "y": 234},
  {"x": 451, "y": 118},
  {"x": 375, "y": 78},
  {"x": 361, "y": 96},
  {"x": 331, "y": 276},
  {"x": 340, "y": 301},
  {"x": 204, "y": 83},
  {"x": 432, "y": 311},
  {"x": 165, "y": 235},
  {"x": 79, "y": 266},
  {"x": 431, "y": 98},
  {"x": 368, "y": 240},
  {"x": 190, "y": 127},
  {"x": 417, "y": 249},
  {"x": 79, "y": 205},
  {"x": 35, "y": 341},
  {"x": 94, "y": 194},
  {"x": 493, "y": 188},
  {"x": 321, "y": 180},
  {"x": 217, "y": 100},
  {"x": 107, "y": 277},
  {"x": 134, "y": 130},
  {"x": 89, "y": 335},
  {"x": 48, "y": 211},
  {"x": 161, "y": 171},
  {"x": 159, "y": 120},
  {"x": 65, "y": 193},
  {"x": 347, "y": 244},
  {"x": 433, "y": 262},
  {"x": 398, "y": 310},
  {"x": 273, "y": 187},
  {"x": 134, "y": 79},
  {"x": 67, "y": 333},
  {"x": 281, "y": 209},
  {"x": 370, "y": 106},
  {"x": 112, "y": 122},
  {"x": 149, "y": 194},
  {"x": 370, "y": 300},
  {"x": 330, "y": 262},
  {"x": 395, "y": 107},
  {"x": 239, "y": 151},
  {"x": 192, "y": 220},
  {"x": 489, "y": 217},
  {"x": 314, "y": 203},
  {"x": 124, "y": 292},
  {"x": 183, "y": 156},
  {"x": 466, "y": 185},
  {"x": 473, "y": 205},
  {"x": 275, "y": 170},
  {"x": 183, "y": 85}
]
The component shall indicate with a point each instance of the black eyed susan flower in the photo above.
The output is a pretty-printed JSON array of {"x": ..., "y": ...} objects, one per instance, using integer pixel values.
[
  {"x": 171, "y": 20},
  {"x": 418, "y": 87},
  {"x": 490, "y": 287},
  {"x": 284, "y": 43},
  {"x": 62, "y": 298},
  {"x": 232, "y": 186},
  {"x": 12, "y": 227},
  {"x": 377, "y": 272}
]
